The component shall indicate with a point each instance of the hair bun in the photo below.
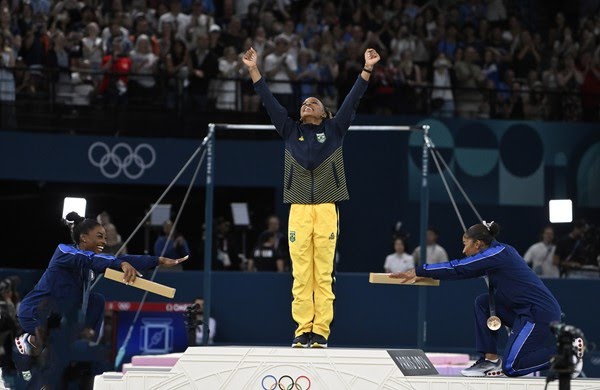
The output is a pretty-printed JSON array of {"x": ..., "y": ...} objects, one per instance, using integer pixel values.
[
  {"x": 494, "y": 229},
  {"x": 73, "y": 219}
]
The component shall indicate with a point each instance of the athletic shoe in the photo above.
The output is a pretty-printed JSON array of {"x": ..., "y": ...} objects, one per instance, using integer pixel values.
[
  {"x": 578, "y": 349},
  {"x": 483, "y": 367},
  {"x": 301, "y": 341},
  {"x": 318, "y": 341},
  {"x": 24, "y": 347}
]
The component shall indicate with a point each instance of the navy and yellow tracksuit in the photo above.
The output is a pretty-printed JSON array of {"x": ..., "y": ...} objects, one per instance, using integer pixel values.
[
  {"x": 314, "y": 181},
  {"x": 523, "y": 303}
]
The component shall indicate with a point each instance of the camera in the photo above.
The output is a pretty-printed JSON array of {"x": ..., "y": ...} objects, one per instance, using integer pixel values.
[
  {"x": 567, "y": 362},
  {"x": 192, "y": 322}
]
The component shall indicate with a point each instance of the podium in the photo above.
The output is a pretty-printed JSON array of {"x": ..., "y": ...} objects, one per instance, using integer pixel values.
[{"x": 251, "y": 368}]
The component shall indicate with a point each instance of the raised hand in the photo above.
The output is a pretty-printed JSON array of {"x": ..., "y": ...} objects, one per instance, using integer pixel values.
[
  {"x": 371, "y": 57},
  {"x": 250, "y": 58}
]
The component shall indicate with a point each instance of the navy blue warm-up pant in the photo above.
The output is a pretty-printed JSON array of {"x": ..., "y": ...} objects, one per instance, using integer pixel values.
[{"x": 530, "y": 344}]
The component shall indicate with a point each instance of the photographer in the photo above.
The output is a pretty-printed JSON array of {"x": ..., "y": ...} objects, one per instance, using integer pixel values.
[
  {"x": 212, "y": 323},
  {"x": 573, "y": 255}
]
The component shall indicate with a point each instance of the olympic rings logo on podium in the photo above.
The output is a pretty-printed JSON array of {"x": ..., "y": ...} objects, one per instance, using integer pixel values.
[
  {"x": 121, "y": 158},
  {"x": 285, "y": 382}
]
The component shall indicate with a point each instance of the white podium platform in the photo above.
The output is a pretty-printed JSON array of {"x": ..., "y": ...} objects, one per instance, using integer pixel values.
[{"x": 250, "y": 368}]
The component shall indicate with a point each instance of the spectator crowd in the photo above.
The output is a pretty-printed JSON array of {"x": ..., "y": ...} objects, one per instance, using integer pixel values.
[{"x": 471, "y": 58}]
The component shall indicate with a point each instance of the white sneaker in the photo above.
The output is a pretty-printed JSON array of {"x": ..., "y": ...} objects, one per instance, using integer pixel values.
[
  {"x": 483, "y": 367},
  {"x": 23, "y": 345},
  {"x": 578, "y": 349}
]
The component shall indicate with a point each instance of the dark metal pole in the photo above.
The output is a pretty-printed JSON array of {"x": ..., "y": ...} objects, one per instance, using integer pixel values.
[
  {"x": 208, "y": 233},
  {"x": 422, "y": 298}
]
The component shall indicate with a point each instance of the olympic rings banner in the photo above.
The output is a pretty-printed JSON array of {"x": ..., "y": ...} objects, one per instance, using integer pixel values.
[{"x": 122, "y": 160}]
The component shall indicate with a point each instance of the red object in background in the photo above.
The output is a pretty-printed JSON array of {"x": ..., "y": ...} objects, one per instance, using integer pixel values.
[{"x": 148, "y": 306}]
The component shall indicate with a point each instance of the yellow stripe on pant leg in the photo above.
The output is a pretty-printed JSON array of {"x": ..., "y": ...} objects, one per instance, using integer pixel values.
[
  {"x": 324, "y": 239},
  {"x": 300, "y": 236}
]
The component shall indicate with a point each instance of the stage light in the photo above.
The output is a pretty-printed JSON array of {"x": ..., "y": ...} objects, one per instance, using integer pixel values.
[
  {"x": 561, "y": 210},
  {"x": 74, "y": 204}
]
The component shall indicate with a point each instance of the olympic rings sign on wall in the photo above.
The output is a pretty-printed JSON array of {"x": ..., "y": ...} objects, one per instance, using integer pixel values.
[
  {"x": 285, "y": 382},
  {"x": 121, "y": 159}
]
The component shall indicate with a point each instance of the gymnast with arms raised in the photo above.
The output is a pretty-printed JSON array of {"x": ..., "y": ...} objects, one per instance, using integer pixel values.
[{"x": 314, "y": 181}]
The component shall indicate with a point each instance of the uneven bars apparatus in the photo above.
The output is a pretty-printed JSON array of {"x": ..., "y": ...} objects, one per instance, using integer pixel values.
[{"x": 208, "y": 213}]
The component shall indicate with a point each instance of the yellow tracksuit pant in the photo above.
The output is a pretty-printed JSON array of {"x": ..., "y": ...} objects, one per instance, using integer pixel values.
[{"x": 313, "y": 232}]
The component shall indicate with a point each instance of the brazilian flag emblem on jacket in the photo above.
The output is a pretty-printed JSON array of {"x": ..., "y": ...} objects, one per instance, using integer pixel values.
[{"x": 292, "y": 236}]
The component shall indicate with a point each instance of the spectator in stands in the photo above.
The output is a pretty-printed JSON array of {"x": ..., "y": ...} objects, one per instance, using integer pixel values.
[
  {"x": 566, "y": 46},
  {"x": 401, "y": 42},
  {"x": 8, "y": 118},
  {"x": 393, "y": 27},
  {"x": 114, "y": 32},
  {"x": 569, "y": 81},
  {"x": 116, "y": 67},
  {"x": 399, "y": 261},
  {"x": 204, "y": 68},
  {"x": 280, "y": 239},
  {"x": 144, "y": 65},
  {"x": 92, "y": 47},
  {"x": 526, "y": 57},
  {"x": 177, "y": 65},
  {"x": 266, "y": 256},
  {"x": 590, "y": 88},
  {"x": 216, "y": 46},
  {"x": 200, "y": 22},
  {"x": 442, "y": 98},
  {"x": 410, "y": 83},
  {"x": 171, "y": 243},
  {"x": 435, "y": 252},
  {"x": 178, "y": 20},
  {"x": 165, "y": 41},
  {"x": 227, "y": 255},
  {"x": 469, "y": 78},
  {"x": 514, "y": 107},
  {"x": 490, "y": 66},
  {"x": 280, "y": 69},
  {"x": 233, "y": 35},
  {"x": 448, "y": 43},
  {"x": 540, "y": 256},
  {"x": 570, "y": 255},
  {"x": 212, "y": 324},
  {"x": 59, "y": 62},
  {"x": 229, "y": 71}
]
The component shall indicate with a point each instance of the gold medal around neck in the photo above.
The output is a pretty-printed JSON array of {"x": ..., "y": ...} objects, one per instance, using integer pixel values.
[{"x": 494, "y": 323}]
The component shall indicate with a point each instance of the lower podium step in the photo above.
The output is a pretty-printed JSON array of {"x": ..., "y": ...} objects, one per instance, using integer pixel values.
[{"x": 250, "y": 368}]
